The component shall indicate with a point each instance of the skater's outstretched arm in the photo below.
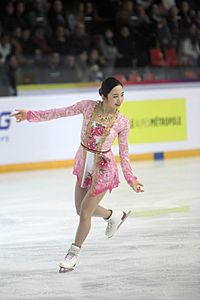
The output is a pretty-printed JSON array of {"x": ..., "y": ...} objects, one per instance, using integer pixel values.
[{"x": 50, "y": 114}]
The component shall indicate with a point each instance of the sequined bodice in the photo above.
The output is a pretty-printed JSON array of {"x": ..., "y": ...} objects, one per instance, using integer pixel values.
[{"x": 98, "y": 128}]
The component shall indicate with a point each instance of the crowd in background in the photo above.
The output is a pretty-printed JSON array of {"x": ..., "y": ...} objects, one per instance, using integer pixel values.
[{"x": 73, "y": 41}]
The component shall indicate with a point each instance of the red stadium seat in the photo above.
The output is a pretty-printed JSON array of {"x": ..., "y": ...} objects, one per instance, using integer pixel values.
[
  {"x": 171, "y": 57},
  {"x": 120, "y": 77},
  {"x": 149, "y": 77},
  {"x": 190, "y": 74},
  {"x": 157, "y": 58},
  {"x": 134, "y": 77}
]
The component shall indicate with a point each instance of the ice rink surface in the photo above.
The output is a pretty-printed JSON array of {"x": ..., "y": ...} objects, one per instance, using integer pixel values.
[{"x": 154, "y": 256}]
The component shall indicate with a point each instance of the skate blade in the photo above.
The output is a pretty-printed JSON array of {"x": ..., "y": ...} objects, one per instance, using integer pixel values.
[
  {"x": 65, "y": 270},
  {"x": 124, "y": 219}
]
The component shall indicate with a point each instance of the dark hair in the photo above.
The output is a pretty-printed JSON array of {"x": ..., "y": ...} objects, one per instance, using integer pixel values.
[{"x": 107, "y": 85}]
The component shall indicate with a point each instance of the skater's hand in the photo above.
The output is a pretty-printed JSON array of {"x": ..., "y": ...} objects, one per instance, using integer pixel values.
[
  {"x": 137, "y": 187},
  {"x": 20, "y": 115}
]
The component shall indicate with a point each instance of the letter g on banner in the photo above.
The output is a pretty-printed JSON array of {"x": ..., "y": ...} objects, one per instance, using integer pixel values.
[{"x": 4, "y": 120}]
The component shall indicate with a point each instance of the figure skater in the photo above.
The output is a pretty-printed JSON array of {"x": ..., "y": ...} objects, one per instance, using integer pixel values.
[{"x": 94, "y": 165}]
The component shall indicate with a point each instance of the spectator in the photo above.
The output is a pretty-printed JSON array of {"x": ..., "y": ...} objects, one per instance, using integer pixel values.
[
  {"x": 8, "y": 18},
  {"x": 95, "y": 58},
  {"x": 145, "y": 3},
  {"x": 108, "y": 49},
  {"x": 39, "y": 59},
  {"x": 104, "y": 14},
  {"x": 163, "y": 34},
  {"x": 5, "y": 47},
  {"x": 80, "y": 40},
  {"x": 40, "y": 41},
  {"x": 73, "y": 17},
  {"x": 38, "y": 15},
  {"x": 17, "y": 32},
  {"x": 126, "y": 49},
  {"x": 190, "y": 48},
  {"x": 53, "y": 71},
  {"x": 185, "y": 16},
  {"x": 16, "y": 49},
  {"x": 56, "y": 15},
  {"x": 94, "y": 64},
  {"x": 27, "y": 44},
  {"x": 174, "y": 25},
  {"x": 90, "y": 17},
  {"x": 144, "y": 38},
  {"x": 143, "y": 18},
  {"x": 82, "y": 67},
  {"x": 71, "y": 69},
  {"x": 168, "y": 4},
  {"x": 160, "y": 26},
  {"x": 155, "y": 15},
  {"x": 197, "y": 19},
  {"x": 11, "y": 66},
  {"x": 126, "y": 15},
  {"x": 20, "y": 15},
  {"x": 61, "y": 42}
]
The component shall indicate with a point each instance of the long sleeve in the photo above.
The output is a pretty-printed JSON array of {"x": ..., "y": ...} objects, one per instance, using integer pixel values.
[
  {"x": 124, "y": 154},
  {"x": 55, "y": 113}
]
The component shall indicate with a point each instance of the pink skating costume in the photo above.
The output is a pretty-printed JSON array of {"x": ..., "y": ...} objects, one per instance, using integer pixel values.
[{"x": 94, "y": 165}]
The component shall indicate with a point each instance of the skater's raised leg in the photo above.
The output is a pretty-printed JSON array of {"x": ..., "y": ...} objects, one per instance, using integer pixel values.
[
  {"x": 115, "y": 221},
  {"x": 99, "y": 210}
]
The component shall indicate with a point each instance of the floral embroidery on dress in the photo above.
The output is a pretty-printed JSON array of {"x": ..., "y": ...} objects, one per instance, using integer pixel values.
[
  {"x": 88, "y": 180},
  {"x": 91, "y": 143},
  {"x": 96, "y": 130},
  {"x": 103, "y": 162}
]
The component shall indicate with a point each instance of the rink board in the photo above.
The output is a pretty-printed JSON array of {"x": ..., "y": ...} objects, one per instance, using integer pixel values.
[{"x": 54, "y": 143}]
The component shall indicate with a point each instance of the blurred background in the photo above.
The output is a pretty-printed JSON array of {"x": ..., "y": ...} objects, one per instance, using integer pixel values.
[{"x": 138, "y": 41}]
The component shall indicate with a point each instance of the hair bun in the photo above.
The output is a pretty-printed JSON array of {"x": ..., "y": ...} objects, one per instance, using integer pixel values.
[{"x": 107, "y": 85}]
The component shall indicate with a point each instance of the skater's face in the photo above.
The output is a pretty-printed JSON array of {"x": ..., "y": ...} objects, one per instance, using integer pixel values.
[{"x": 114, "y": 98}]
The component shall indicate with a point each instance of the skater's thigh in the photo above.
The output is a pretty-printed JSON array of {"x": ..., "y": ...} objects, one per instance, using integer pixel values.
[
  {"x": 90, "y": 203},
  {"x": 79, "y": 196}
]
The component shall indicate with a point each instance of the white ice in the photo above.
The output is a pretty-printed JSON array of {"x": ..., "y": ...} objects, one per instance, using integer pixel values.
[{"x": 154, "y": 256}]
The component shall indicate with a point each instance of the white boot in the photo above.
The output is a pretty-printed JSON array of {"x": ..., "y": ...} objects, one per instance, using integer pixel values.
[
  {"x": 70, "y": 260},
  {"x": 114, "y": 222}
]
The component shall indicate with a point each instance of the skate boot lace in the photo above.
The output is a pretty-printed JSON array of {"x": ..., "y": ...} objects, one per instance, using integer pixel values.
[
  {"x": 109, "y": 226},
  {"x": 69, "y": 255}
]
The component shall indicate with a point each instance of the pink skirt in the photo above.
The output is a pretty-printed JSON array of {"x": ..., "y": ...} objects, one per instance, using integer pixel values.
[{"x": 101, "y": 177}]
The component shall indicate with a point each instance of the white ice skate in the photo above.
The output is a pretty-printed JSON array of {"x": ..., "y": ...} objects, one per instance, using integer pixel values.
[
  {"x": 69, "y": 262},
  {"x": 115, "y": 221}
]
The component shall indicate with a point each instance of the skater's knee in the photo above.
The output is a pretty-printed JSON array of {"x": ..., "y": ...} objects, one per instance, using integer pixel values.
[{"x": 84, "y": 215}]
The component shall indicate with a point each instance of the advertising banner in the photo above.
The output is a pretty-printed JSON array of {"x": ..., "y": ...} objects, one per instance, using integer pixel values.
[{"x": 160, "y": 120}]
